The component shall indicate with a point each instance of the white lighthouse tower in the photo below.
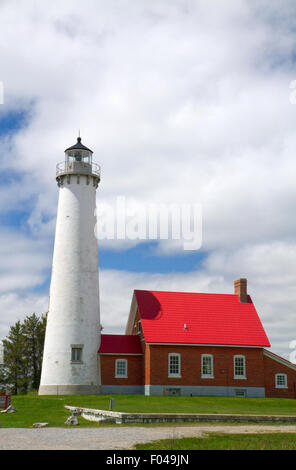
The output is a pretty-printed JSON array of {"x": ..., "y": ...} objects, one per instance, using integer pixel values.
[{"x": 70, "y": 359}]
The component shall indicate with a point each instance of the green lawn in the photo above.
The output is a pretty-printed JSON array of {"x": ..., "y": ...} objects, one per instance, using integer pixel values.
[
  {"x": 32, "y": 408},
  {"x": 282, "y": 441}
]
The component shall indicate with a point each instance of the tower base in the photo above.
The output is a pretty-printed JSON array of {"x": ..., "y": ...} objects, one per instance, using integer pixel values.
[{"x": 69, "y": 390}]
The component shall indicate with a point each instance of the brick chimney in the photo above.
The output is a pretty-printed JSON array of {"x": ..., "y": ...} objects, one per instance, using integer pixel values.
[{"x": 240, "y": 289}]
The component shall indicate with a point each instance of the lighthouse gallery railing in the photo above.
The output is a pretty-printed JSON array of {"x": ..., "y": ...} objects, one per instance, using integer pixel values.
[{"x": 78, "y": 167}]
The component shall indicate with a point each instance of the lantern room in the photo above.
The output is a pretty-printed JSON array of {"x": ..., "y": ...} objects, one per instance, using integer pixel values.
[{"x": 78, "y": 153}]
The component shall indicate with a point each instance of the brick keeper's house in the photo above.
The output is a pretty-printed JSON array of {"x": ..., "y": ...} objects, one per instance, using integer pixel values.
[{"x": 179, "y": 343}]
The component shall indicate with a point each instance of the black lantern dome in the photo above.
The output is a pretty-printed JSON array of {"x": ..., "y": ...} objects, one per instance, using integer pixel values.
[
  {"x": 78, "y": 146},
  {"x": 79, "y": 153}
]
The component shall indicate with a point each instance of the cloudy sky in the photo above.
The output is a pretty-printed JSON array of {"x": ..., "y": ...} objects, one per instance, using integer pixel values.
[{"x": 184, "y": 101}]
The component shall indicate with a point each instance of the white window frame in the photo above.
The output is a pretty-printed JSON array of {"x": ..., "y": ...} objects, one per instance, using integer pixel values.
[
  {"x": 239, "y": 376},
  {"x": 174, "y": 374},
  {"x": 211, "y": 374},
  {"x": 121, "y": 376},
  {"x": 285, "y": 385}
]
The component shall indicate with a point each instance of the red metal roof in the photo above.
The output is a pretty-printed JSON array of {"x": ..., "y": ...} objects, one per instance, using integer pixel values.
[
  {"x": 209, "y": 319},
  {"x": 120, "y": 344}
]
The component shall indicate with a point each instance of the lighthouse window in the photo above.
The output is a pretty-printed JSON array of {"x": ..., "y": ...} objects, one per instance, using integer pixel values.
[
  {"x": 76, "y": 355},
  {"x": 121, "y": 368}
]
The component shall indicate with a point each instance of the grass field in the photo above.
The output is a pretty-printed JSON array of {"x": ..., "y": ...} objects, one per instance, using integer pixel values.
[
  {"x": 32, "y": 408},
  {"x": 282, "y": 441}
]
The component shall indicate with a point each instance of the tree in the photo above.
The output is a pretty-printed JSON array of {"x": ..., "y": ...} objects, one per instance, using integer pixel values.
[
  {"x": 34, "y": 333},
  {"x": 15, "y": 359},
  {"x": 23, "y": 349},
  {"x": 3, "y": 378}
]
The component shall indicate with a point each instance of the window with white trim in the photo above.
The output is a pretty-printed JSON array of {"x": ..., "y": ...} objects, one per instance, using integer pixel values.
[
  {"x": 239, "y": 365},
  {"x": 207, "y": 366},
  {"x": 174, "y": 365},
  {"x": 281, "y": 381},
  {"x": 121, "y": 368}
]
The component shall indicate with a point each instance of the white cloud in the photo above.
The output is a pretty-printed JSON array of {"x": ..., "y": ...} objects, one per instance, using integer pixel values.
[
  {"x": 24, "y": 261},
  {"x": 14, "y": 307}
]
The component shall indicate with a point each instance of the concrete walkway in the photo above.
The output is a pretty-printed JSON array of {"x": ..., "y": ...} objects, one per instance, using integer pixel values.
[{"x": 109, "y": 438}]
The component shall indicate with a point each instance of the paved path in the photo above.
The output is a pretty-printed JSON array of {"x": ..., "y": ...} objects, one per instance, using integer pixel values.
[{"x": 113, "y": 437}]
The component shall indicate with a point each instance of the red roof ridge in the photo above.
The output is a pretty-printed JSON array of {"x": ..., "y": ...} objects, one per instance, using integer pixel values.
[
  {"x": 188, "y": 292},
  {"x": 180, "y": 292}
]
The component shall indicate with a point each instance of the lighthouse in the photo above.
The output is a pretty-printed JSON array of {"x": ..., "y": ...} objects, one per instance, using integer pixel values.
[{"x": 70, "y": 360}]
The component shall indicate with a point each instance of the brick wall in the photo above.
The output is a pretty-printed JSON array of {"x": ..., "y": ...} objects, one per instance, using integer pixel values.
[
  {"x": 135, "y": 370},
  {"x": 191, "y": 366},
  {"x": 152, "y": 369},
  {"x": 273, "y": 367}
]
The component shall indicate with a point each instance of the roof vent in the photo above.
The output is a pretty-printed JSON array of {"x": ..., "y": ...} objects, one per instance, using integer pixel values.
[{"x": 185, "y": 327}]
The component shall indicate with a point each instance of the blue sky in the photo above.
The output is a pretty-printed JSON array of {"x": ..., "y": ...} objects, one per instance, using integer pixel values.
[
  {"x": 181, "y": 103},
  {"x": 143, "y": 258},
  {"x": 11, "y": 121}
]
